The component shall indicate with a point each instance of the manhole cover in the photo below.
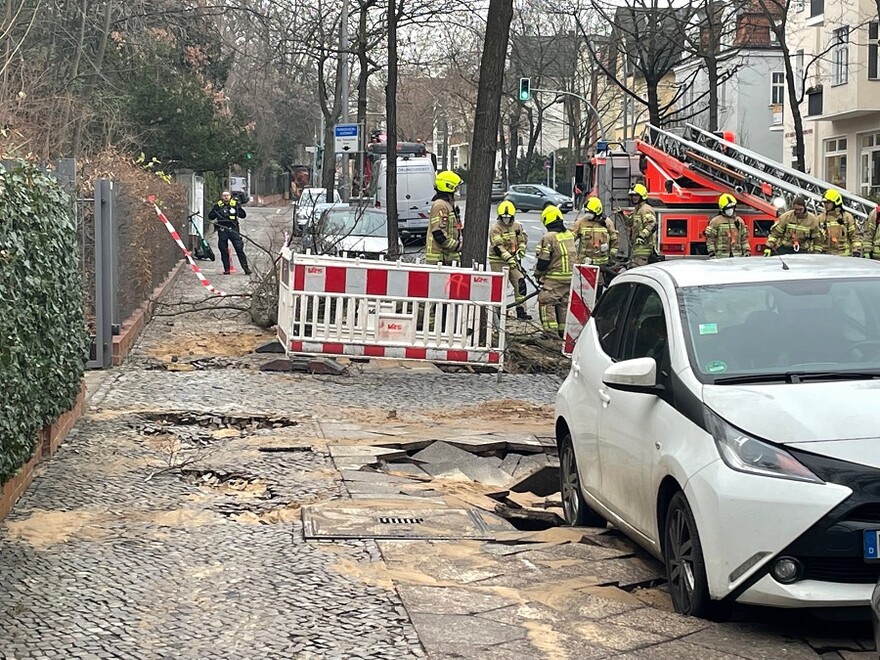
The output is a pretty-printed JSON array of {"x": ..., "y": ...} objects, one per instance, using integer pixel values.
[{"x": 387, "y": 523}]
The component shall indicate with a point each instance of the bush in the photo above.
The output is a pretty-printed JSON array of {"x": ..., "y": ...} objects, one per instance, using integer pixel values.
[{"x": 42, "y": 331}]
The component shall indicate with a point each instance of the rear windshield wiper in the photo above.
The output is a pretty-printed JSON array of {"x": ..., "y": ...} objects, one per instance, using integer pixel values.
[{"x": 796, "y": 377}]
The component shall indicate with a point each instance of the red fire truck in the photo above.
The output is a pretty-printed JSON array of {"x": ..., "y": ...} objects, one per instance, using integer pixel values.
[{"x": 686, "y": 171}]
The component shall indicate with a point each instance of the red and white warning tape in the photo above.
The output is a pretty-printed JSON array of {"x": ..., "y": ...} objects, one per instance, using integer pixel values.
[{"x": 195, "y": 268}]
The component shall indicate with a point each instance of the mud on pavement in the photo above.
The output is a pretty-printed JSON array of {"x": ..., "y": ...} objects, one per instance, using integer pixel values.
[{"x": 203, "y": 508}]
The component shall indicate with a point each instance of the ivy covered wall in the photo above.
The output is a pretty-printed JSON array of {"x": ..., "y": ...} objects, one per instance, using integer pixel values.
[{"x": 42, "y": 332}]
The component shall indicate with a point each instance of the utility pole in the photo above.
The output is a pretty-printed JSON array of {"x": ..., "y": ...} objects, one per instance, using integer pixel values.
[{"x": 344, "y": 183}]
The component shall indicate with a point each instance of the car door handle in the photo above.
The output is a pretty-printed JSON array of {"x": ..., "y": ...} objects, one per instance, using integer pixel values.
[{"x": 603, "y": 395}]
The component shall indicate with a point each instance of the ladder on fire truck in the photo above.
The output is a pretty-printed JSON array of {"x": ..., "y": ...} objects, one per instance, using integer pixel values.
[{"x": 744, "y": 171}]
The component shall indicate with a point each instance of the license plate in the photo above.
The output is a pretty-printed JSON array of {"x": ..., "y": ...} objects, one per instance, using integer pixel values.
[{"x": 872, "y": 545}]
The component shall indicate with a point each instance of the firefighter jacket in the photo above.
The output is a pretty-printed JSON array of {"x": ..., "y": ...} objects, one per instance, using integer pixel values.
[
  {"x": 227, "y": 214},
  {"x": 556, "y": 253},
  {"x": 792, "y": 233},
  {"x": 842, "y": 235},
  {"x": 872, "y": 240},
  {"x": 507, "y": 242},
  {"x": 443, "y": 242},
  {"x": 597, "y": 240},
  {"x": 641, "y": 227},
  {"x": 728, "y": 237}
]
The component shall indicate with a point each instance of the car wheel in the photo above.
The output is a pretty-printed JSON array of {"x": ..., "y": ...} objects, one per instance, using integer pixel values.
[
  {"x": 575, "y": 509},
  {"x": 685, "y": 567}
]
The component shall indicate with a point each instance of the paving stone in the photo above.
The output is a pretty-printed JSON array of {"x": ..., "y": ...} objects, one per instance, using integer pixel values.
[
  {"x": 678, "y": 650},
  {"x": 442, "y": 452},
  {"x": 510, "y": 462},
  {"x": 667, "y": 624},
  {"x": 752, "y": 642},
  {"x": 478, "y": 444},
  {"x": 485, "y": 472},
  {"x": 371, "y": 477},
  {"x": 449, "y": 600},
  {"x": 438, "y": 631}
]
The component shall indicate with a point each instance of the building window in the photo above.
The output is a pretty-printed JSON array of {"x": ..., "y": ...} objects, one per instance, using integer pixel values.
[
  {"x": 777, "y": 88},
  {"x": 814, "y": 101},
  {"x": 774, "y": 39},
  {"x": 840, "y": 55},
  {"x": 870, "y": 165},
  {"x": 835, "y": 161},
  {"x": 817, "y": 7},
  {"x": 799, "y": 73},
  {"x": 873, "y": 51}
]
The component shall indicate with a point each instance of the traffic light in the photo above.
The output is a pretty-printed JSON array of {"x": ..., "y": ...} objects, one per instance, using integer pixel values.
[
  {"x": 525, "y": 89},
  {"x": 249, "y": 156}
]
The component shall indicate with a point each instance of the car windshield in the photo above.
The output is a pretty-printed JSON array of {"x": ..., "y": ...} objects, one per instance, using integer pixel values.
[
  {"x": 356, "y": 222},
  {"x": 783, "y": 330},
  {"x": 546, "y": 190}
]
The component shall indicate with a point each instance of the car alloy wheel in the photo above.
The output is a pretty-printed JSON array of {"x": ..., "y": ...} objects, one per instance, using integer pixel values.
[
  {"x": 575, "y": 510},
  {"x": 685, "y": 567}
]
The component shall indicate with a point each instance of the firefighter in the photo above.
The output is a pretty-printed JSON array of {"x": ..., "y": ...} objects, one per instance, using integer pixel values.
[
  {"x": 556, "y": 253},
  {"x": 641, "y": 225},
  {"x": 443, "y": 242},
  {"x": 796, "y": 230},
  {"x": 871, "y": 244},
  {"x": 727, "y": 234},
  {"x": 596, "y": 237},
  {"x": 842, "y": 236},
  {"x": 507, "y": 247}
]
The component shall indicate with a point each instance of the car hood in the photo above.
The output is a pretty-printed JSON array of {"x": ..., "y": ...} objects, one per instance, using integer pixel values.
[
  {"x": 800, "y": 412},
  {"x": 372, "y": 244}
]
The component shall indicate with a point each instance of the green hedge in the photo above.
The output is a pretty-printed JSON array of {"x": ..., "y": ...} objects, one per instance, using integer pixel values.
[{"x": 42, "y": 332}]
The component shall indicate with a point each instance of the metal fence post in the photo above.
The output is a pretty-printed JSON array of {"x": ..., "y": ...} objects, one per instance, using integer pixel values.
[{"x": 103, "y": 274}]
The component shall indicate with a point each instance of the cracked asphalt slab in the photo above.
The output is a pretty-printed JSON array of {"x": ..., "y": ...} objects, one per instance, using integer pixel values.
[{"x": 169, "y": 525}]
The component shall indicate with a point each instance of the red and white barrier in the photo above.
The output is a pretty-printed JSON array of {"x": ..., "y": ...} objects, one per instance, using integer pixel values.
[
  {"x": 379, "y": 309},
  {"x": 581, "y": 300}
]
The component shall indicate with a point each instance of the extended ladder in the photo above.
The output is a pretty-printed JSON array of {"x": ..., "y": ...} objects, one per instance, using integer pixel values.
[{"x": 742, "y": 170}]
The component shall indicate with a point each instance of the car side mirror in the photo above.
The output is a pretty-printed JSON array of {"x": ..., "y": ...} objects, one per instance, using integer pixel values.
[
  {"x": 405, "y": 236},
  {"x": 638, "y": 375}
]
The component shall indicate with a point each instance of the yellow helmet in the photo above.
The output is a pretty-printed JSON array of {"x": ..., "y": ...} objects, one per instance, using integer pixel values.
[
  {"x": 594, "y": 204},
  {"x": 833, "y": 196},
  {"x": 726, "y": 200},
  {"x": 447, "y": 181},
  {"x": 640, "y": 190},
  {"x": 550, "y": 214},
  {"x": 506, "y": 208}
]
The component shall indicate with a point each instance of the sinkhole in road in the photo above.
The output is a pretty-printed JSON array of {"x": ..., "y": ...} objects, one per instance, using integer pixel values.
[{"x": 206, "y": 427}]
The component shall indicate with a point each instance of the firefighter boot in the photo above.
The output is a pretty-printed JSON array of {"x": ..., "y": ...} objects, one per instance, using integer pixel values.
[{"x": 521, "y": 314}]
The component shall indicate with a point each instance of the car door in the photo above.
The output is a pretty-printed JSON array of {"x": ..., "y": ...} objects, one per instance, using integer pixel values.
[
  {"x": 631, "y": 423},
  {"x": 594, "y": 353},
  {"x": 532, "y": 198}
]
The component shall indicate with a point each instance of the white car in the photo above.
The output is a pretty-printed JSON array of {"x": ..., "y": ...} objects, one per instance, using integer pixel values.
[
  {"x": 312, "y": 203},
  {"x": 350, "y": 230},
  {"x": 724, "y": 415}
]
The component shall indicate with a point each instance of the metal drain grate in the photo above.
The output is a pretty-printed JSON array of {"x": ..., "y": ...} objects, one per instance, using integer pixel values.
[{"x": 385, "y": 520}]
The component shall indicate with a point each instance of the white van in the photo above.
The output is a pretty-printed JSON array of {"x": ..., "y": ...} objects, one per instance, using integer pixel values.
[{"x": 415, "y": 189}]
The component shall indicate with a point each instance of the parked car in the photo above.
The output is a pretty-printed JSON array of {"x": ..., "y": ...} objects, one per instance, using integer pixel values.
[
  {"x": 532, "y": 197},
  {"x": 875, "y": 616},
  {"x": 312, "y": 202},
  {"x": 723, "y": 415},
  {"x": 356, "y": 231},
  {"x": 498, "y": 191}
]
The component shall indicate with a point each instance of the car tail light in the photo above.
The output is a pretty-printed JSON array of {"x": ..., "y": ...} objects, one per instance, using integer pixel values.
[
  {"x": 672, "y": 247},
  {"x": 378, "y": 204}
]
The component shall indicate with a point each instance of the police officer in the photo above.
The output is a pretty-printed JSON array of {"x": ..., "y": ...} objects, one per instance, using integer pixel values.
[
  {"x": 556, "y": 253},
  {"x": 443, "y": 242},
  {"x": 226, "y": 214},
  {"x": 641, "y": 225},
  {"x": 727, "y": 234},
  {"x": 839, "y": 227},
  {"x": 507, "y": 247},
  {"x": 794, "y": 231}
]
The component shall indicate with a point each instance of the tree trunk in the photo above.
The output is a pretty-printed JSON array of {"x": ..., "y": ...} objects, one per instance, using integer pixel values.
[
  {"x": 330, "y": 119},
  {"x": 794, "y": 104},
  {"x": 503, "y": 142},
  {"x": 485, "y": 138},
  {"x": 653, "y": 105},
  {"x": 712, "y": 75},
  {"x": 391, "y": 132},
  {"x": 363, "y": 80}
]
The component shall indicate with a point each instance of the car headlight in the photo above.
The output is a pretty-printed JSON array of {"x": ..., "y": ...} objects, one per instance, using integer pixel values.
[{"x": 743, "y": 453}]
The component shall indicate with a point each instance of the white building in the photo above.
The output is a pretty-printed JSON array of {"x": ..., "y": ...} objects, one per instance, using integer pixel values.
[{"x": 837, "y": 56}]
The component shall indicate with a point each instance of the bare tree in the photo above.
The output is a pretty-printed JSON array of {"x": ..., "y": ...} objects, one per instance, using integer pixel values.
[
  {"x": 391, "y": 123},
  {"x": 485, "y": 136}
]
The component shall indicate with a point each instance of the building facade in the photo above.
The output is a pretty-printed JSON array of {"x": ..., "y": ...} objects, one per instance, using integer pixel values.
[{"x": 836, "y": 65}]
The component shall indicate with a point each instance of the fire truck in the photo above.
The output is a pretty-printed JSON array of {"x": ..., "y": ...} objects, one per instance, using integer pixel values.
[{"x": 686, "y": 170}]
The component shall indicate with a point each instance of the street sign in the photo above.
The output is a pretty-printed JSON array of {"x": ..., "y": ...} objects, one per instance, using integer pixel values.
[{"x": 347, "y": 138}]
